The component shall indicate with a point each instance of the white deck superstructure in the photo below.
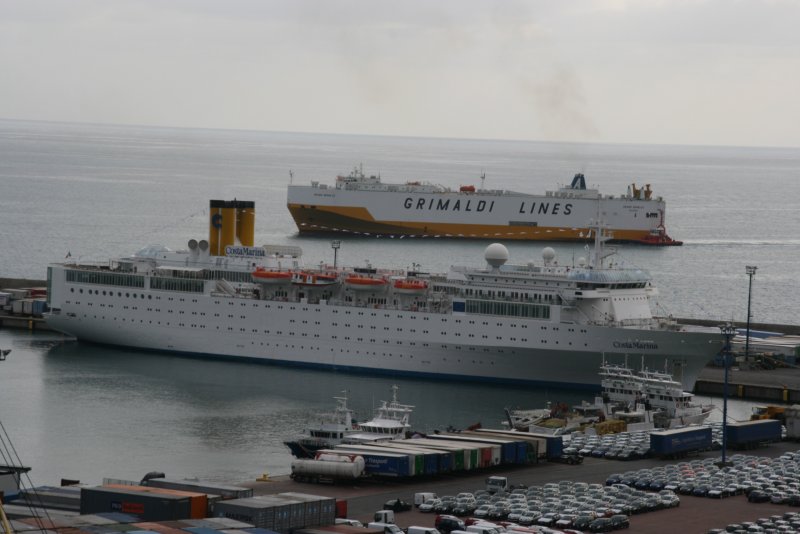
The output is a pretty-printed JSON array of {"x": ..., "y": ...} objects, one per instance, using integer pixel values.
[{"x": 528, "y": 323}]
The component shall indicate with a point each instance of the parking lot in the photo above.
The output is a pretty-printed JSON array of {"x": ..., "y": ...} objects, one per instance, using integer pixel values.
[{"x": 694, "y": 515}]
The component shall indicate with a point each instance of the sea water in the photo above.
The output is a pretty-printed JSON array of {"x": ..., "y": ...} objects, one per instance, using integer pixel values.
[{"x": 77, "y": 410}]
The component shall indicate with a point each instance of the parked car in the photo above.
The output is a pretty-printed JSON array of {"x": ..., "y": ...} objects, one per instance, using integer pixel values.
[
  {"x": 397, "y": 505},
  {"x": 619, "y": 521},
  {"x": 447, "y": 523},
  {"x": 602, "y": 524}
]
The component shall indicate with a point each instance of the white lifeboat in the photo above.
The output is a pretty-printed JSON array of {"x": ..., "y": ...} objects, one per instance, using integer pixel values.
[{"x": 308, "y": 279}]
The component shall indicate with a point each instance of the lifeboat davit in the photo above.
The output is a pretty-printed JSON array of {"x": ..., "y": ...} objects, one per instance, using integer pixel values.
[
  {"x": 263, "y": 276},
  {"x": 365, "y": 283},
  {"x": 410, "y": 287},
  {"x": 314, "y": 279}
]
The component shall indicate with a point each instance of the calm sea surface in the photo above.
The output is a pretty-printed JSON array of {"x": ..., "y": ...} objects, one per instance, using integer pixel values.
[{"x": 75, "y": 410}]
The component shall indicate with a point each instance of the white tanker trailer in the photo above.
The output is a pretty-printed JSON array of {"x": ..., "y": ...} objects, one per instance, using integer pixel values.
[{"x": 328, "y": 469}]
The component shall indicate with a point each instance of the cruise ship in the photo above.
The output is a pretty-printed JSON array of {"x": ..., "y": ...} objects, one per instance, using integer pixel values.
[
  {"x": 542, "y": 322},
  {"x": 363, "y": 205}
]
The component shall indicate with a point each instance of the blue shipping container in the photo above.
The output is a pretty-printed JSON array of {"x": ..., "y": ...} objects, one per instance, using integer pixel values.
[
  {"x": 680, "y": 441},
  {"x": 751, "y": 433},
  {"x": 385, "y": 465}
]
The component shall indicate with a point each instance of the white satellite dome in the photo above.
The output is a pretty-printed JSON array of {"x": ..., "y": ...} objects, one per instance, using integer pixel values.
[
  {"x": 548, "y": 254},
  {"x": 496, "y": 255},
  {"x": 582, "y": 261}
]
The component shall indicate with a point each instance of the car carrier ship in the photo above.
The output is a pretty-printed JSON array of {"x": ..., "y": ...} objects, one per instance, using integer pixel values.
[
  {"x": 363, "y": 205},
  {"x": 547, "y": 323}
]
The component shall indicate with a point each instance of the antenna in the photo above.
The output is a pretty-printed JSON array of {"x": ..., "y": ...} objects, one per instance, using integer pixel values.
[
  {"x": 483, "y": 180},
  {"x": 291, "y": 176}
]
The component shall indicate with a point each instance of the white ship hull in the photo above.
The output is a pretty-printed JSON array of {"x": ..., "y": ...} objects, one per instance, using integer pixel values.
[{"x": 370, "y": 340}]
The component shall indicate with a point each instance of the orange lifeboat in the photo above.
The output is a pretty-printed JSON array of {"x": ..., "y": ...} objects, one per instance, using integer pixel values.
[
  {"x": 467, "y": 189},
  {"x": 410, "y": 287},
  {"x": 314, "y": 279},
  {"x": 365, "y": 283},
  {"x": 263, "y": 276}
]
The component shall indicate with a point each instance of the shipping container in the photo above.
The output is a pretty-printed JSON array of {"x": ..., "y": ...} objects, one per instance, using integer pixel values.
[
  {"x": 379, "y": 463},
  {"x": 416, "y": 460},
  {"x": 39, "y": 307},
  {"x": 792, "y": 416},
  {"x": 17, "y": 294},
  {"x": 341, "y": 508},
  {"x": 158, "y": 527},
  {"x": 27, "y": 306},
  {"x": 535, "y": 445},
  {"x": 319, "y": 510},
  {"x": 444, "y": 459},
  {"x": 144, "y": 506},
  {"x": 16, "y": 307},
  {"x": 200, "y": 486},
  {"x": 5, "y": 298},
  {"x": 681, "y": 441},
  {"x": 257, "y": 512},
  {"x": 749, "y": 434},
  {"x": 463, "y": 452},
  {"x": 199, "y": 501},
  {"x": 490, "y": 452},
  {"x": 426, "y": 461}
]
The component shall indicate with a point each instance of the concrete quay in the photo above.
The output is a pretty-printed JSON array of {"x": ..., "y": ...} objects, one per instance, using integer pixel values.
[
  {"x": 695, "y": 515},
  {"x": 780, "y": 386}
]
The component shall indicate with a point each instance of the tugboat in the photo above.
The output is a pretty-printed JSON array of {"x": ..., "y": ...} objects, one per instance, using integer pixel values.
[
  {"x": 390, "y": 422},
  {"x": 329, "y": 432}
]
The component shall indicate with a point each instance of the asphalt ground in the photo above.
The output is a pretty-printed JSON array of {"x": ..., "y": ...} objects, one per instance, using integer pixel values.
[{"x": 695, "y": 515}]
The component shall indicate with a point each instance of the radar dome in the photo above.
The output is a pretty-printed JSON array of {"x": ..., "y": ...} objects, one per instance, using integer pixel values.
[
  {"x": 548, "y": 254},
  {"x": 582, "y": 261},
  {"x": 496, "y": 255}
]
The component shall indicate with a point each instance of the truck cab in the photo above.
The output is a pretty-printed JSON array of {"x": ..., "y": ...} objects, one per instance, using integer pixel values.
[{"x": 495, "y": 484}]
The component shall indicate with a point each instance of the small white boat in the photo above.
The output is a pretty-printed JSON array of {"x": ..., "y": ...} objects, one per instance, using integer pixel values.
[
  {"x": 4, "y": 353},
  {"x": 651, "y": 398}
]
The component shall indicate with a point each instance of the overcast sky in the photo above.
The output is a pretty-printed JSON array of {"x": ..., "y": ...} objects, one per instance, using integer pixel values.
[{"x": 718, "y": 72}]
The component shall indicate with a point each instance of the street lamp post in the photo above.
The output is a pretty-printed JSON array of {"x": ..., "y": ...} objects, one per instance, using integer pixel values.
[
  {"x": 751, "y": 271},
  {"x": 728, "y": 331},
  {"x": 335, "y": 245}
]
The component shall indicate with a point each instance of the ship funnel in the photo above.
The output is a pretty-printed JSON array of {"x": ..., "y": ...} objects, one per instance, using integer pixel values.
[
  {"x": 229, "y": 220},
  {"x": 193, "y": 249}
]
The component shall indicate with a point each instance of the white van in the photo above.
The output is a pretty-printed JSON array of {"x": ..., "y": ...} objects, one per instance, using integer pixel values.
[
  {"x": 421, "y": 498},
  {"x": 383, "y": 516},
  {"x": 388, "y": 528}
]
